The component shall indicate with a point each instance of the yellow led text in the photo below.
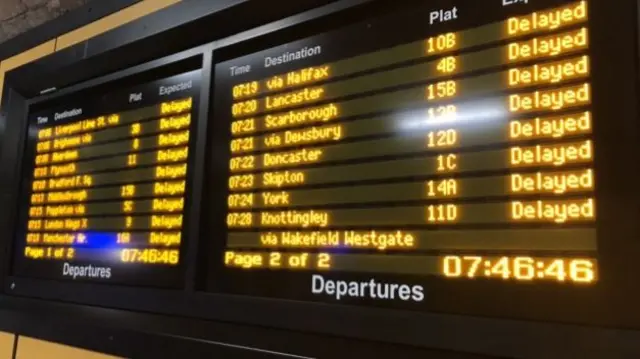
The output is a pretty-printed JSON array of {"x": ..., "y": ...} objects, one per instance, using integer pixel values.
[
  {"x": 276, "y": 199},
  {"x": 42, "y": 159},
  {"x": 165, "y": 239},
  {"x": 283, "y": 178},
  {"x": 240, "y": 219},
  {"x": 36, "y": 211},
  {"x": 243, "y": 126},
  {"x": 73, "y": 141},
  {"x": 551, "y": 127},
  {"x": 556, "y": 155},
  {"x": 58, "y": 238},
  {"x": 45, "y": 133},
  {"x": 442, "y": 43},
  {"x": 380, "y": 240},
  {"x": 244, "y": 260},
  {"x": 245, "y": 89},
  {"x": 40, "y": 172},
  {"x": 249, "y": 260},
  {"x": 442, "y": 188},
  {"x": 70, "y": 182},
  {"x": 76, "y": 127},
  {"x": 171, "y": 171},
  {"x": 34, "y": 238},
  {"x": 39, "y": 185},
  {"x": 62, "y": 224},
  {"x": 547, "y": 20},
  {"x": 65, "y": 156},
  {"x": 555, "y": 182},
  {"x": 323, "y": 113},
  {"x": 68, "y": 196},
  {"x": 62, "y": 170},
  {"x": 242, "y": 144},
  {"x": 244, "y": 108},
  {"x": 169, "y": 188},
  {"x": 168, "y": 205},
  {"x": 175, "y": 122},
  {"x": 551, "y": 73},
  {"x": 550, "y": 99},
  {"x": 242, "y": 163},
  {"x": 173, "y": 139},
  {"x": 553, "y": 211},
  {"x": 43, "y": 146},
  {"x": 49, "y": 253},
  {"x": 315, "y": 239},
  {"x": 176, "y": 106},
  {"x": 307, "y": 135},
  {"x": 150, "y": 256},
  {"x": 302, "y": 219},
  {"x": 297, "y": 157},
  {"x": 55, "y": 238},
  {"x": 65, "y": 210},
  {"x": 548, "y": 46},
  {"x": 168, "y": 222},
  {"x": 299, "y": 77},
  {"x": 294, "y": 98},
  {"x": 86, "y": 125},
  {"x": 241, "y": 181},
  {"x": 240, "y": 200},
  {"x": 172, "y": 155}
]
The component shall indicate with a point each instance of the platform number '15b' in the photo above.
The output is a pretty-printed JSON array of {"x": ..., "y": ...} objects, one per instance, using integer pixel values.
[{"x": 443, "y": 89}]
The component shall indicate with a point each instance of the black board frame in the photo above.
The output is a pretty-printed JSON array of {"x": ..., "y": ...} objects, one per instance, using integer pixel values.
[{"x": 193, "y": 316}]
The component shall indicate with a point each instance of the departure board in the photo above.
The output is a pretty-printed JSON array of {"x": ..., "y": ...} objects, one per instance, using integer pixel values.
[
  {"x": 440, "y": 144},
  {"x": 105, "y": 184}
]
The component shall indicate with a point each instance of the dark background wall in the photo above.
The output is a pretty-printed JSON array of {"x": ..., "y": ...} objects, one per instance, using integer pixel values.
[{"x": 18, "y": 16}]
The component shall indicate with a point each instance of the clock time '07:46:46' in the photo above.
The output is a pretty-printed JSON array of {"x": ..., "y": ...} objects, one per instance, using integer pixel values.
[{"x": 575, "y": 270}]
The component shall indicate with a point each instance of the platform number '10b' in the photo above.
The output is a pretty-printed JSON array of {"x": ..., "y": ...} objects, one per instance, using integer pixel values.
[{"x": 441, "y": 43}]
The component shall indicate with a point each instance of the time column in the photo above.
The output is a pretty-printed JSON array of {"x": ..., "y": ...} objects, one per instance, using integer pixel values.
[
  {"x": 39, "y": 185},
  {"x": 443, "y": 134},
  {"x": 241, "y": 164},
  {"x": 52, "y": 211}
]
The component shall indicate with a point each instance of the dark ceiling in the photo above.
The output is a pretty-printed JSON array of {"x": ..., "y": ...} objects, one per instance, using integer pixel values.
[{"x": 18, "y": 16}]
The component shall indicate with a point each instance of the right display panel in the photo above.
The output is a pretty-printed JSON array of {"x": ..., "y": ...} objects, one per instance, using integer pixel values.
[{"x": 434, "y": 150}]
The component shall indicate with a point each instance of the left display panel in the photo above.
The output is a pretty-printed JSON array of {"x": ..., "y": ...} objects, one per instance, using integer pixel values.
[{"x": 104, "y": 189}]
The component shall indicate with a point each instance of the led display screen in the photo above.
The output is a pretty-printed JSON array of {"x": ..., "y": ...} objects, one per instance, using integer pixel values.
[
  {"x": 105, "y": 185},
  {"x": 430, "y": 147}
]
